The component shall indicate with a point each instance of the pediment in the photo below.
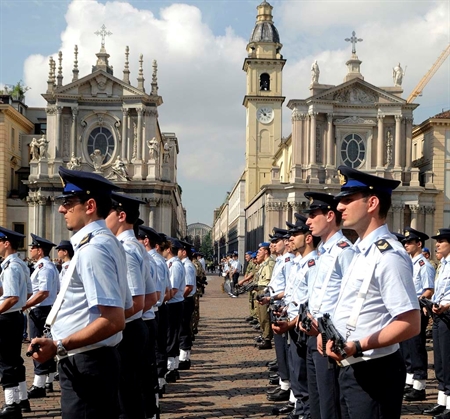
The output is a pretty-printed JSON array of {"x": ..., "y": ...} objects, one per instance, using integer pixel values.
[
  {"x": 98, "y": 84},
  {"x": 357, "y": 91}
]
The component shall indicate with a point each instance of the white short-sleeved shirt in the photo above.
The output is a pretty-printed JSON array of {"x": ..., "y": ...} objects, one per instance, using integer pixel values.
[
  {"x": 45, "y": 277},
  {"x": 190, "y": 275},
  {"x": 423, "y": 274},
  {"x": 64, "y": 268},
  {"x": 162, "y": 275},
  {"x": 442, "y": 289},
  {"x": 100, "y": 279},
  {"x": 13, "y": 281},
  {"x": 323, "y": 300},
  {"x": 391, "y": 291},
  {"x": 283, "y": 264},
  {"x": 138, "y": 268},
  {"x": 176, "y": 275}
]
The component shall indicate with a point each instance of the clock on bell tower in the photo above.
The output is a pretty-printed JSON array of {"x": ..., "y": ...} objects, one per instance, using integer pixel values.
[{"x": 263, "y": 100}]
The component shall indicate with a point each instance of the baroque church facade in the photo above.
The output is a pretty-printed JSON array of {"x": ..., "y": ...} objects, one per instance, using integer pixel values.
[
  {"x": 103, "y": 124},
  {"x": 357, "y": 124}
]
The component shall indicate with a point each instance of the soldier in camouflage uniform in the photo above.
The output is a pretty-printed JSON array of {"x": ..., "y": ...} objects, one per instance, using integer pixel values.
[{"x": 200, "y": 274}]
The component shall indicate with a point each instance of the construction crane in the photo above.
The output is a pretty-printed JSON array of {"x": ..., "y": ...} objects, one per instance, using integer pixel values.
[{"x": 425, "y": 79}]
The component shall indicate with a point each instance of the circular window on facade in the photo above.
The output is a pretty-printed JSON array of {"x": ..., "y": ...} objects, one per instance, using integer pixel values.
[
  {"x": 353, "y": 151},
  {"x": 101, "y": 139}
]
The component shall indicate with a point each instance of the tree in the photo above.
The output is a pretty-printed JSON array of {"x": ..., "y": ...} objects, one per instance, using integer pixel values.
[{"x": 207, "y": 247}]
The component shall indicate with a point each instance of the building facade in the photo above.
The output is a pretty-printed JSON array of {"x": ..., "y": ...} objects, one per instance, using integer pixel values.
[{"x": 102, "y": 124}]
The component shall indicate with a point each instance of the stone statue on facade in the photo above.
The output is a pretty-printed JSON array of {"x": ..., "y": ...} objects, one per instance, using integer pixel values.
[
  {"x": 166, "y": 155},
  {"x": 97, "y": 160},
  {"x": 74, "y": 162},
  {"x": 153, "y": 151},
  {"x": 34, "y": 149},
  {"x": 397, "y": 74},
  {"x": 389, "y": 144},
  {"x": 43, "y": 147},
  {"x": 119, "y": 170},
  {"x": 315, "y": 72}
]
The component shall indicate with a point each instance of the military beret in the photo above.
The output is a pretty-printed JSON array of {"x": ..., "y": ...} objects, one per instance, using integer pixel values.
[
  {"x": 264, "y": 244},
  {"x": 353, "y": 181}
]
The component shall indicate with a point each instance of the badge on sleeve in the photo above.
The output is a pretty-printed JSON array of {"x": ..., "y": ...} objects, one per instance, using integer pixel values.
[
  {"x": 311, "y": 262},
  {"x": 383, "y": 245},
  {"x": 421, "y": 262},
  {"x": 287, "y": 259},
  {"x": 343, "y": 244},
  {"x": 40, "y": 265}
]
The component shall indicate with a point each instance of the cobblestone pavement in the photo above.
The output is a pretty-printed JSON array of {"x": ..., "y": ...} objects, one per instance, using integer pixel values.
[{"x": 228, "y": 377}]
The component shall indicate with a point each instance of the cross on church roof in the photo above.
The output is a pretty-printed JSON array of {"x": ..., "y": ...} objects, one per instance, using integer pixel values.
[
  {"x": 353, "y": 40},
  {"x": 103, "y": 33}
]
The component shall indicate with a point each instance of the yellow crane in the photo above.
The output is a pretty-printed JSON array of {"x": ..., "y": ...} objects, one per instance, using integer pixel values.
[{"x": 427, "y": 77}]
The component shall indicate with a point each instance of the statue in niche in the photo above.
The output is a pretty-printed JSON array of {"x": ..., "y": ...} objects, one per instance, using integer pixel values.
[
  {"x": 34, "y": 149},
  {"x": 166, "y": 155},
  {"x": 74, "y": 163},
  {"x": 315, "y": 72},
  {"x": 397, "y": 74},
  {"x": 389, "y": 142},
  {"x": 43, "y": 147},
  {"x": 119, "y": 170},
  {"x": 153, "y": 149},
  {"x": 97, "y": 160}
]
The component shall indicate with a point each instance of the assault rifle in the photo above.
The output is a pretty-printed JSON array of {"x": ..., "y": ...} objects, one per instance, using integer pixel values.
[
  {"x": 303, "y": 319},
  {"x": 245, "y": 288},
  {"x": 329, "y": 332}
]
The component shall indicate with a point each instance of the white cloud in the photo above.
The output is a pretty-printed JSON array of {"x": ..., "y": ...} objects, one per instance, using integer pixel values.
[{"x": 200, "y": 73}]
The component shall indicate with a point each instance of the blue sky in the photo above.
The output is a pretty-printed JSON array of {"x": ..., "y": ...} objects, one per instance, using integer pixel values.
[{"x": 200, "y": 64}]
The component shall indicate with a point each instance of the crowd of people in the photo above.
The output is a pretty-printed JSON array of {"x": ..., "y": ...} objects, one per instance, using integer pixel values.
[
  {"x": 348, "y": 321},
  {"x": 114, "y": 324}
]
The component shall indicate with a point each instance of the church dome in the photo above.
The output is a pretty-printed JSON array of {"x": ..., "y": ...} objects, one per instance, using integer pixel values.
[{"x": 265, "y": 30}]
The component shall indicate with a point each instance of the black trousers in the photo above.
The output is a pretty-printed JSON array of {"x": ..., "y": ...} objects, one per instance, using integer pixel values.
[
  {"x": 162, "y": 321},
  {"x": 373, "y": 389},
  {"x": 235, "y": 279},
  {"x": 38, "y": 316},
  {"x": 282, "y": 353},
  {"x": 298, "y": 374},
  {"x": 414, "y": 352},
  {"x": 323, "y": 386},
  {"x": 151, "y": 376},
  {"x": 132, "y": 360},
  {"x": 185, "y": 330},
  {"x": 441, "y": 348},
  {"x": 89, "y": 384},
  {"x": 12, "y": 370},
  {"x": 175, "y": 311}
]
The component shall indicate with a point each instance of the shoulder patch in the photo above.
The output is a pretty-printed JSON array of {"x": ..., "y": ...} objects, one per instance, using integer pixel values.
[
  {"x": 383, "y": 245},
  {"x": 65, "y": 267},
  {"x": 6, "y": 265},
  {"x": 421, "y": 262},
  {"x": 170, "y": 265},
  {"x": 40, "y": 265},
  {"x": 85, "y": 239},
  {"x": 311, "y": 262},
  {"x": 343, "y": 244},
  {"x": 287, "y": 259}
]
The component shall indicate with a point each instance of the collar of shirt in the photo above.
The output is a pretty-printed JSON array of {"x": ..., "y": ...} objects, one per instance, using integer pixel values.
[
  {"x": 91, "y": 227},
  {"x": 328, "y": 245},
  {"x": 297, "y": 259},
  {"x": 127, "y": 234},
  {"x": 417, "y": 258},
  {"x": 363, "y": 246},
  {"x": 8, "y": 259},
  {"x": 43, "y": 260},
  {"x": 307, "y": 258},
  {"x": 172, "y": 259}
]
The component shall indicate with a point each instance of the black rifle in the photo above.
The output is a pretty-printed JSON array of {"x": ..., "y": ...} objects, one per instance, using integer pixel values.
[
  {"x": 34, "y": 348},
  {"x": 329, "y": 332},
  {"x": 303, "y": 319},
  {"x": 428, "y": 306},
  {"x": 278, "y": 312},
  {"x": 245, "y": 288}
]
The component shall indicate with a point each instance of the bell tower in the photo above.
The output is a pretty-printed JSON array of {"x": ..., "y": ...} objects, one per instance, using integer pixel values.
[{"x": 263, "y": 100}]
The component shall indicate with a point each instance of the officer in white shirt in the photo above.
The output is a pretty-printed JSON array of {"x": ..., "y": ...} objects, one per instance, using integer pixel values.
[
  {"x": 89, "y": 315},
  {"x": 377, "y": 306},
  {"x": 65, "y": 253}
]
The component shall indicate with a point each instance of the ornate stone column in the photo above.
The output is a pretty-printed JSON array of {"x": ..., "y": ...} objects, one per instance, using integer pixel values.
[
  {"x": 398, "y": 134},
  {"x": 415, "y": 210},
  {"x": 58, "y": 150},
  {"x": 298, "y": 122},
  {"x": 42, "y": 201},
  {"x": 429, "y": 211},
  {"x": 408, "y": 135},
  {"x": 312, "y": 139},
  {"x": 140, "y": 113},
  {"x": 380, "y": 142},
  {"x": 124, "y": 153},
  {"x": 73, "y": 135},
  {"x": 329, "y": 148},
  {"x": 397, "y": 219}
]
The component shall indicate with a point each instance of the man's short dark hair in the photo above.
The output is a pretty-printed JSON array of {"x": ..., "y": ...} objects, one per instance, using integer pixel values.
[
  {"x": 103, "y": 202},
  {"x": 385, "y": 202}
]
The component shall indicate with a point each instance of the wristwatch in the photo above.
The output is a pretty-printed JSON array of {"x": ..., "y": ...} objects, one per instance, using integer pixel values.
[
  {"x": 359, "y": 351},
  {"x": 60, "y": 350}
]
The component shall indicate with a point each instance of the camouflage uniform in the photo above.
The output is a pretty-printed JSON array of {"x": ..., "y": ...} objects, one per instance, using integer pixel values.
[
  {"x": 264, "y": 275},
  {"x": 200, "y": 274}
]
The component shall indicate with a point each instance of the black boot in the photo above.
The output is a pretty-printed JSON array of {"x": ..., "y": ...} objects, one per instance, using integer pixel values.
[{"x": 11, "y": 411}]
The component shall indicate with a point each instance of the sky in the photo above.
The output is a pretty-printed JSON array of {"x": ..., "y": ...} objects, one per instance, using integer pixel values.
[{"x": 200, "y": 47}]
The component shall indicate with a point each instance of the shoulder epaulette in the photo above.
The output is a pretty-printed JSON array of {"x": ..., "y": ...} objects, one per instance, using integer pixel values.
[
  {"x": 383, "y": 245},
  {"x": 287, "y": 259},
  {"x": 343, "y": 244},
  {"x": 311, "y": 262},
  {"x": 6, "y": 265},
  {"x": 421, "y": 262},
  {"x": 85, "y": 239}
]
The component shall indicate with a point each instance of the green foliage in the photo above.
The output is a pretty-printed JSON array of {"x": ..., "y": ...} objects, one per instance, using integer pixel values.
[
  {"x": 17, "y": 91},
  {"x": 207, "y": 247}
]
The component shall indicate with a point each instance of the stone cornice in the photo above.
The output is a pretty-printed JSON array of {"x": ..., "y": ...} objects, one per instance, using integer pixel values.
[
  {"x": 268, "y": 99},
  {"x": 16, "y": 116}
]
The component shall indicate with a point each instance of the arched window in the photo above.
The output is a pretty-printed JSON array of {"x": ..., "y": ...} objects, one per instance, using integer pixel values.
[
  {"x": 353, "y": 151},
  {"x": 101, "y": 139},
  {"x": 264, "y": 82}
]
